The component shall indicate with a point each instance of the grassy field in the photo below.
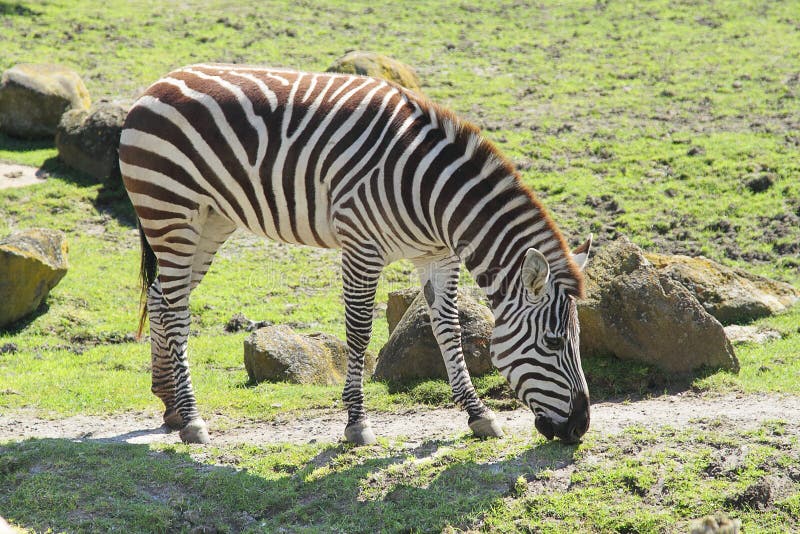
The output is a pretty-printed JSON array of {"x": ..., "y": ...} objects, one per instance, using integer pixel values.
[{"x": 652, "y": 121}]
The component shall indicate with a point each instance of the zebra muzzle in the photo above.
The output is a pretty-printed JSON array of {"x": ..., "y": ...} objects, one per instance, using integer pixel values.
[
  {"x": 571, "y": 430},
  {"x": 545, "y": 426}
]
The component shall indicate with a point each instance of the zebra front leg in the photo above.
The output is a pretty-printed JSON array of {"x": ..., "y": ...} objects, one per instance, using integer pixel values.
[
  {"x": 360, "y": 272},
  {"x": 163, "y": 382},
  {"x": 440, "y": 286}
]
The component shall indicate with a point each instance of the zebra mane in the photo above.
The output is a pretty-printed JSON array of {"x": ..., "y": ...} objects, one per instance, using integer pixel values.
[{"x": 566, "y": 272}]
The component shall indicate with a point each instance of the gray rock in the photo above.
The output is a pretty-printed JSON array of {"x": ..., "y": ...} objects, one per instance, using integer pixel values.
[
  {"x": 636, "y": 313},
  {"x": 34, "y": 97},
  {"x": 378, "y": 66},
  {"x": 412, "y": 351},
  {"x": 279, "y": 353},
  {"x": 397, "y": 303},
  {"x": 750, "y": 334},
  {"x": 719, "y": 523},
  {"x": 729, "y": 294},
  {"x": 88, "y": 140},
  {"x": 337, "y": 351},
  {"x": 32, "y": 262}
]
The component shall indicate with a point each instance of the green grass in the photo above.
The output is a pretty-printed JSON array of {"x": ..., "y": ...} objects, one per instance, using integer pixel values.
[
  {"x": 657, "y": 481},
  {"x": 647, "y": 122}
]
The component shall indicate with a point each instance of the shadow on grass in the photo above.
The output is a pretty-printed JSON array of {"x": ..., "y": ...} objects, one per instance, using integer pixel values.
[
  {"x": 111, "y": 199},
  {"x": 21, "y": 324},
  {"x": 99, "y": 486},
  {"x": 17, "y": 9}
]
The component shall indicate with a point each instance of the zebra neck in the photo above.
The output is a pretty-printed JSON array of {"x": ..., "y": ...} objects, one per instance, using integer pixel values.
[{"x": 494, "y": 244}]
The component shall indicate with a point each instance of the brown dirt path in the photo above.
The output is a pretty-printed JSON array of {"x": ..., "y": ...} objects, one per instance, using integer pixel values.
[
  {"x": 413, "y": 425},
  {"x": 14, "y": 175}
]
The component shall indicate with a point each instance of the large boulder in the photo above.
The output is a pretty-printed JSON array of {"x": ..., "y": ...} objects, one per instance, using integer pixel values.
[
  {"x": 279, "y": 353},
  {"x": 397, "y": 304},
  {"x": 412, "y": 351},
  {"x": 378, "y": 66},
  {"x": 88, "y": 140},
  {"x": 34, "y": 97},
  {"x": 634, "y": 312},
  {"x": 32, "y": 262},
  {"x": 729, "y": 294}
]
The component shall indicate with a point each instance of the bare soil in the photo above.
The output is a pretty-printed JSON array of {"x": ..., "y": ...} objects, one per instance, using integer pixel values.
[
  {"x": 414, "y": 425},
  {"x": 14, "y": 175}
]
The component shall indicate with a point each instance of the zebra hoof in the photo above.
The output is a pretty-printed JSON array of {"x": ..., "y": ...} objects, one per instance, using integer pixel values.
[
  {"x": 195, "y": 432},
  {"x": 360, "y": 433},
  {"x": 486, "y": 427},
  {"x": 173, "y": 419}
]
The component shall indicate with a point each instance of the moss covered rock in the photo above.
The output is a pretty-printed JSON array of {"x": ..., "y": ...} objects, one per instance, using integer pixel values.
[
  {"x": 88, "y": 140},
  {"x": 34, "y": 97},
  {"x": 397, "y": 303},
  {"x": 731, "y": 295},
  {"x": 412, "y": 351},
  {"x": 32, "y": 263},
  {"x": 377, "y": 66},
  {"x": 636, "y": 313},
  {"x": 279, "y": 353}
]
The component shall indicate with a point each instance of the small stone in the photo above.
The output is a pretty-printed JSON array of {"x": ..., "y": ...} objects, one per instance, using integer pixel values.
[
  {"x": 237, "y": 323},
  {"x": 718, "y": 523},
  {"x": 9, "y": 348},
  {"x": 696, "y": 151},
  {"x": 738, "y": 334}
]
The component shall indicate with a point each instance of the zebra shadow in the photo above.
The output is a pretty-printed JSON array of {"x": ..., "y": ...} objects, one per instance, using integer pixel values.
[{"x": 101, "y": 485}]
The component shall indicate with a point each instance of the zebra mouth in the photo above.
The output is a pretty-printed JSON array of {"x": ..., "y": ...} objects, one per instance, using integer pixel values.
[{"x": 545, "y": 427}]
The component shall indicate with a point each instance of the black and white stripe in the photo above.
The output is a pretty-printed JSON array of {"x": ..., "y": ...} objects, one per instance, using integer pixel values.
[{"x": 334, "y": 160}]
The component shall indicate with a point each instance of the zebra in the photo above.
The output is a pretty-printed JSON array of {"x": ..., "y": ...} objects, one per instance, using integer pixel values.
[{"x": 381, "y": 172}]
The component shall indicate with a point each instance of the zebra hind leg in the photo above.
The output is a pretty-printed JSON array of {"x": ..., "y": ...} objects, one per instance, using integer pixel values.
[
  {"x": 185, "y": 254},
  {"x": 360, "y": 272},
  {"x": 440, "y": 286},
  {"x": 163, "y": 381}
]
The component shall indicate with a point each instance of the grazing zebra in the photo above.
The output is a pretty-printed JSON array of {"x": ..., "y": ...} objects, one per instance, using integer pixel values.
[{"x": 362, "y": 164}]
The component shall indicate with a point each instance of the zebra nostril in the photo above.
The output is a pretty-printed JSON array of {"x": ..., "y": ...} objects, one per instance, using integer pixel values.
[{"x": 578, "y": 422}]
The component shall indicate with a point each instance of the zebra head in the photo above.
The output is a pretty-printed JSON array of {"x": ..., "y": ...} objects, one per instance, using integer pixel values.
[{"x": 536, "y": 347}]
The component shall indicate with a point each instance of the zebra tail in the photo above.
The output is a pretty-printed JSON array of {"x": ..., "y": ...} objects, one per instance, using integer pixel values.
[{"x": 147, "y": 275}]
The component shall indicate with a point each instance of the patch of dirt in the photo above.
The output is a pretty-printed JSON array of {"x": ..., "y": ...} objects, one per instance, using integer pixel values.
[
  {"x": 763, "y": 493},
  {"x": 414, "y": 425},
  {"x": 14, "y": 175}
]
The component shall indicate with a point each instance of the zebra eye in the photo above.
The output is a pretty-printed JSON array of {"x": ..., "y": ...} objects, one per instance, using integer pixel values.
[{"x": 554, "y": 342}]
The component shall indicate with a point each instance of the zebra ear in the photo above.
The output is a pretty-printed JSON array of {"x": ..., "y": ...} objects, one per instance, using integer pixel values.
[
  {"x": 581, "y": 254},
  {"x": 535, "y": 272}
]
